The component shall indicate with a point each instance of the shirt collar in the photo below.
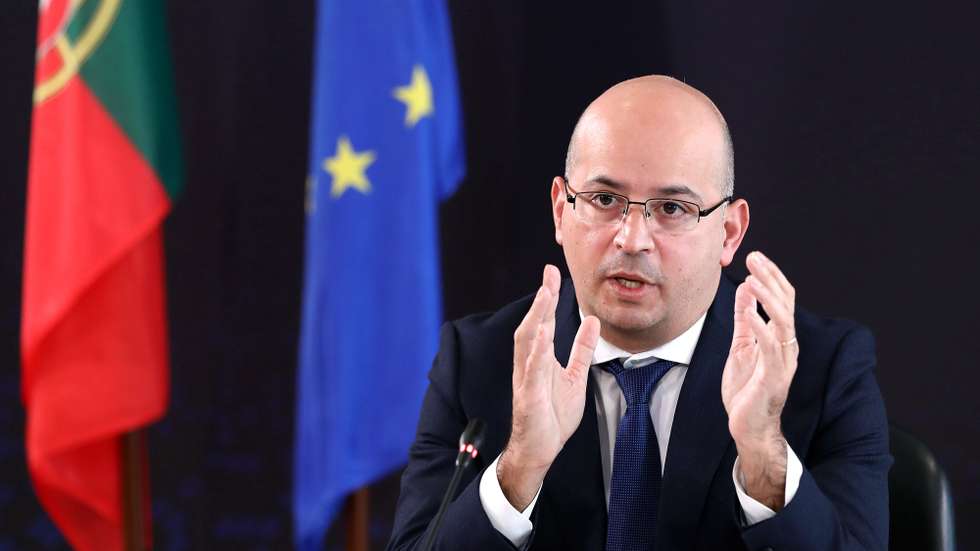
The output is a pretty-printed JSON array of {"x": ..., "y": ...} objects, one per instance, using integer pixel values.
[{"x": 679, "y": 350}]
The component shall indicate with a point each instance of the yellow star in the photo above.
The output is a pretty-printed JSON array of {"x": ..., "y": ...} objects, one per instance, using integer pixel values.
[
  {"x": 347, "y": 168},
  {"x": 417, "y": 96}
]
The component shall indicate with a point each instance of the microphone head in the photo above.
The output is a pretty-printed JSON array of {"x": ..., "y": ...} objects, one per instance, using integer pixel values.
[{"x": 472, "y": 439}]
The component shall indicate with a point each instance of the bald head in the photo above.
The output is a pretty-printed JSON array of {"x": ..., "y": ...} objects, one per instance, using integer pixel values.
[{"x": 658, "y": 104}]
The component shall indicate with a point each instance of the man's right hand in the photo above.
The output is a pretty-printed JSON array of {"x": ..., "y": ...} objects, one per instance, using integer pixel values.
[{"x": 548, "y": 400}]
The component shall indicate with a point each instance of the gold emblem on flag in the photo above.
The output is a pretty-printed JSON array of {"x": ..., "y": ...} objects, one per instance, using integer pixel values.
[{"x": 68, "y": 32}]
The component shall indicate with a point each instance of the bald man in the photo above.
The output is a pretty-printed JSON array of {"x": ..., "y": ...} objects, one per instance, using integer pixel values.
[{"x": 649, "y": 402}]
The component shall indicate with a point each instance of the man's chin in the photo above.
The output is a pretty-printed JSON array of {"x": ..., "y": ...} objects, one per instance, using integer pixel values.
[{"x": 630, "y": 319}]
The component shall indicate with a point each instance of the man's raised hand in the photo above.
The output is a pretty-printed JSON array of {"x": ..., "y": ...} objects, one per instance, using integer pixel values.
[
  {"x": 548, "y": 400},
  {"x": 757, "y": 377}
]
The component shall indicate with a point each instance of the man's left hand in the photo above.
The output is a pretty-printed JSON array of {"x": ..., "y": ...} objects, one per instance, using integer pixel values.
[{"x": 757, "y": 376}]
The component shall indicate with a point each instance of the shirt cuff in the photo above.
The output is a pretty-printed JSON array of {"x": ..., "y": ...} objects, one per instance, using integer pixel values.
[
  {"x": 756, "y": 512},
  {"x": 513, "y": 524}
]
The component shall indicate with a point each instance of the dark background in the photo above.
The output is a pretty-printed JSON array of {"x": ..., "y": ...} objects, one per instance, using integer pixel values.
[{"x": 856, "y": 129}]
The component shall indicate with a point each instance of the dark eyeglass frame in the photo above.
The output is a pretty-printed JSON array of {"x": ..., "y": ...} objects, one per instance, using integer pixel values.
[{"x": 570, "y": 197}]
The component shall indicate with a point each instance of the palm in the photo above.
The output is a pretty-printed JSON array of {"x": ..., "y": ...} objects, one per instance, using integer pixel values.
[
  {"x": 741, "y": 389},
  {"x": 548, "y": 399},
  {"x": 756, "y": 379},
  {"x": 553, "y": 410}
]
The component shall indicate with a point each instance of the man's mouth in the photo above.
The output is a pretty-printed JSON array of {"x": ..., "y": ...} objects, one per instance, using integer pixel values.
[{"x": 629, "y": 283}]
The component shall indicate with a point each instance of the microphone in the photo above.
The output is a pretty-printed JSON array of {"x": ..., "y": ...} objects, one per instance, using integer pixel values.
[
  {"x": 469, "y": 447},
  {"x": 470, "y": 442}
]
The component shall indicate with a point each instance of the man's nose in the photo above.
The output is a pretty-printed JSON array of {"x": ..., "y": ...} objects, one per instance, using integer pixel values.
[{"x": 634, "y": 234}]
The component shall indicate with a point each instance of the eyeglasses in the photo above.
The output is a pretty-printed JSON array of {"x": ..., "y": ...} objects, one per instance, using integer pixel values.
[{"x": 604, "y": 208}]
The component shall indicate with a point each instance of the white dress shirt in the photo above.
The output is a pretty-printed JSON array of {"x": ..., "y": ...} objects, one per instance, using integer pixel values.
[{"x": 610, "y": 407}]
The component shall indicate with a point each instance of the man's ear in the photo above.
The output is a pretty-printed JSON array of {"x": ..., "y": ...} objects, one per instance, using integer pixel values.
[
  {"x": 736, "y": 224},
  {"x": 558, "y": 203}
]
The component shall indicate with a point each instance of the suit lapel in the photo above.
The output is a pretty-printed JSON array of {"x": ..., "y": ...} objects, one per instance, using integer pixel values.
[
  {"x": 699, "y": 436},
  {"x": 574, "y": 485}
]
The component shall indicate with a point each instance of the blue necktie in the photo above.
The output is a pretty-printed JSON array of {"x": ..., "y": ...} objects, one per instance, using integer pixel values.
[{"x": 634, "y": 491}]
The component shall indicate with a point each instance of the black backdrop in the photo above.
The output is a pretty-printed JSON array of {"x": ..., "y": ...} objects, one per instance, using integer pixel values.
[{"x": 856, "y": 130}]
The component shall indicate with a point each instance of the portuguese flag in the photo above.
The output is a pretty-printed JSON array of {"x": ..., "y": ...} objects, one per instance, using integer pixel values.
[{"x": 104, "y": 169}]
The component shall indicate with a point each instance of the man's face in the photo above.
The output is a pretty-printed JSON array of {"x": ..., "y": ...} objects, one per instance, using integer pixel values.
[{"x": 644, "y": 284}]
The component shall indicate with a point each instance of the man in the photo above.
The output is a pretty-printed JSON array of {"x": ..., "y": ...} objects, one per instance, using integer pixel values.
[{"x": 647, "y": 403}]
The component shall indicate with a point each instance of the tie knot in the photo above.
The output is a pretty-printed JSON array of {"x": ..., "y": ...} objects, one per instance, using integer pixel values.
[{"x": 638, "y": 383}]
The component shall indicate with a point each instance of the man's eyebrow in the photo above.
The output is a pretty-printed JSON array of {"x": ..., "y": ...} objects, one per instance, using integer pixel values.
[
  {"x": 607, "y": 182},
  {"x": 678, "y": 189},
  {"x": 670, "y": 190}
]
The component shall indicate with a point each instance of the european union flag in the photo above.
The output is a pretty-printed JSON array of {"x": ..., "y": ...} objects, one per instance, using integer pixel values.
[{"x": 386, "y": 147}]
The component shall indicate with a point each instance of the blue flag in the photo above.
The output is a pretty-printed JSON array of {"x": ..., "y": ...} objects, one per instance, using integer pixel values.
[{"x": 386, "y": 148}]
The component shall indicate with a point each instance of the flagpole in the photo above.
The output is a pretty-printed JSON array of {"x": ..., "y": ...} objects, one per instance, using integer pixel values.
[
  {"x": 356, "y": 519},
  {"x": 131, "y": 451}
]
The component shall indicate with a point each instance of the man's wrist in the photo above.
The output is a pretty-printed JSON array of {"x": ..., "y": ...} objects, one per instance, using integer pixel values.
[
  {"x": 518, "y": 482},
  {"x": 762, "y": 471}
]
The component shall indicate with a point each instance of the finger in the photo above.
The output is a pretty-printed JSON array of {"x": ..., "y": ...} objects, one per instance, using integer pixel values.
[
  {"x": 777, "y": 310},
  {"x": 583, "y": 348},
  {"x": 769, "y": 346},
  {"x": 744, "y": 300},
  {"x": 790, "y": 351},
  {"x": 789, "y": 347},
  {"x": 785, "y": 346},
  {"x": 781, "y": 278},
  {"x": 774, "y": 277},
  {"x": 551, "y": 279},
  {"x": 540, "y": 363},
  {"x": 525, "y": 332},
  {"x": 745, "y": 350},
  {"x": 759, "y": 268}
]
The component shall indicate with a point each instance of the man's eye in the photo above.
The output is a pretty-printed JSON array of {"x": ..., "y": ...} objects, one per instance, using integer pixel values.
[
  {"x": 675, "y": 210},
  {"x": 604, "y": 200}
]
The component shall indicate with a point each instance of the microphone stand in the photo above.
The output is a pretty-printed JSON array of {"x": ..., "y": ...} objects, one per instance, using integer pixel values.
[{"x": 469, "y": 444}]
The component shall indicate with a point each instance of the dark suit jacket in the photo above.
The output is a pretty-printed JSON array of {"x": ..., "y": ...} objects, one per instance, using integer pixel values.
[{"x": 834, "y": 420}]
